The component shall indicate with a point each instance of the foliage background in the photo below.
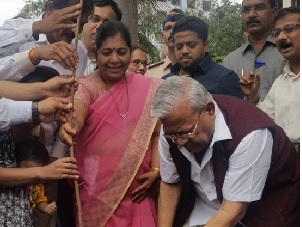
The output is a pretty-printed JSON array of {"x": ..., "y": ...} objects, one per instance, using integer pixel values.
[{"x": 225, "y": 29}]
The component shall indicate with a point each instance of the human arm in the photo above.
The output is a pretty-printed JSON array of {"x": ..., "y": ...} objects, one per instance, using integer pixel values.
[
  {"x": 169, "y": 197},
  {"x": 64, "y": 168},
  {"x": 57, "y": 86},
  {"x": 229, "y": 214},
  {"x": 148, "y": 179},
  {"x": 49, "y": 209},
  {"x": 59, "y": 19},
  {"x": 245, "y": 178},
  {"x": 18, "y": 112}
]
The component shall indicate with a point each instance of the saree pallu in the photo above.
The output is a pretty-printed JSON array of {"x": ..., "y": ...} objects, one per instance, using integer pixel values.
[{"x": 112, "y": 152}]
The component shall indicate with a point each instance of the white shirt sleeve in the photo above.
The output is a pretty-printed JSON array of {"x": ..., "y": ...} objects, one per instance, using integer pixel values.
[
  {"x": 16, "y": 30},
  {"x": 14, "y": 33},
  {"x": 14, "y": 112},
  {"x": 248, "y": 167},
  {"x": 168, "y": 170}
]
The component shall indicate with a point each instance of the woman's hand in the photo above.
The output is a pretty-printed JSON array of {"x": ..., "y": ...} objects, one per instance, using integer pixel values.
[
  {"x": 63, "y": 168},
  {"x": 66, "y": 134},
  {"x": 147, "y": 180}
]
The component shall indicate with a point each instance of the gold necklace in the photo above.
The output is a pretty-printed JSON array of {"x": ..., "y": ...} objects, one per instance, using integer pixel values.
[{"x": 125, "y": 114}]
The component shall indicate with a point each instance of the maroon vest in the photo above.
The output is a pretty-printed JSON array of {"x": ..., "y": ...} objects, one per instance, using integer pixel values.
[{"x": 279, "y": 205}]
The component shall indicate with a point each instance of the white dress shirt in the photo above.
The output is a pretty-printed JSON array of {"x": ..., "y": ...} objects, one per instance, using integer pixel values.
[
  {"x": 14, "y": 112},
  {"x": 282, "y": 103},
  {"x": 14, "y": 67},
  {"x": 91, "y": 66},
  {"x": 244, "y": 179}
]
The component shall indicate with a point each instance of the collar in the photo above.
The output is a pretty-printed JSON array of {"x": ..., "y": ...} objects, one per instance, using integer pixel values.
[
  {"x": 248, "y": 46},
  {"x": 287, "y": 72},
  {"x": 222, "y": 131},
  {"x": 202, "y": 67},
  {"x": 167, "y": 62}
]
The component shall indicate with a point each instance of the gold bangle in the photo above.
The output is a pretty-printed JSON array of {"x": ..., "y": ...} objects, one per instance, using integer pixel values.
[
  {"x": 155, "y": 169},
  {"x": 31, "y": 55}
]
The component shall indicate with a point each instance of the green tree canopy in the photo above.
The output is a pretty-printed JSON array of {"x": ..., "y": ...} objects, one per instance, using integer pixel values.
[{"x": 225, "y": 29}]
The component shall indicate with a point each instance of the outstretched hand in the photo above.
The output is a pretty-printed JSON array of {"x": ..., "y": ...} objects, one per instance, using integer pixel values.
[
  {"x": 62, "y": 168},
  {"x": 62, "y": 52},
  {"x": 54, "y": 108},
  {"x": 60, "y": 19},
  {"x": 59, "y": 86}
]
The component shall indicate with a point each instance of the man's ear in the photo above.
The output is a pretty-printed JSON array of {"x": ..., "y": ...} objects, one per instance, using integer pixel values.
[
  {"x": 206, "y": 46},
  {"x": 209, "y": 107},
  {"x": 49, "y": 8},
  {"x": 274, "y": 11}
]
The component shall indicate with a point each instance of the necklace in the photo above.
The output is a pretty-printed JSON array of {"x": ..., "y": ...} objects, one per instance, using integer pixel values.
[{"x": 122, "y": 115}]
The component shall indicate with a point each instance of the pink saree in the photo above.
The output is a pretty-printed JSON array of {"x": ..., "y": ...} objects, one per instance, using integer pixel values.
[{"x": 112, "y": 151}]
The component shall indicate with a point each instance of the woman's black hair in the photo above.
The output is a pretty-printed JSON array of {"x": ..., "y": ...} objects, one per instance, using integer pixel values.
[{"x": 109, "y": 29}]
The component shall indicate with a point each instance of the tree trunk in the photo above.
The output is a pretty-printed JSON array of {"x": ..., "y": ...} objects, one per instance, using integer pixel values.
[{"x": 130, "y": 17}]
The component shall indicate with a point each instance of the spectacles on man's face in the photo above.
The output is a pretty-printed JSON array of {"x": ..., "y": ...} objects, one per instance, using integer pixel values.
[
  {"x": 184, "y": 135},
  {"x": 138, "y": 62},
  {"x": 287, "y": 29}
]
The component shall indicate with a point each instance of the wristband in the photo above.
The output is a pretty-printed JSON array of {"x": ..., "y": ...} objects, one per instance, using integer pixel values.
[
  {"x": 35, "y": 113},
  {"x": 31, "y": 55}
]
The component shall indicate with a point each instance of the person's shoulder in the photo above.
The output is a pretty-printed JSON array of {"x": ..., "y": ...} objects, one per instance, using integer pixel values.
[{"x": 154, "y": 65}]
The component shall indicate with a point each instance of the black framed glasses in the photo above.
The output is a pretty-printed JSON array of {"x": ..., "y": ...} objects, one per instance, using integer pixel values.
[
  {"x": 138, "y": 62},
  {"x": 287, "y": 29},
  {"x": 184, "y": 135}
]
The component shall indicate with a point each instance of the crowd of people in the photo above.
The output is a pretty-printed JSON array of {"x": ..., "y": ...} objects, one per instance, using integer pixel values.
[{"x": 183, "y": 142}]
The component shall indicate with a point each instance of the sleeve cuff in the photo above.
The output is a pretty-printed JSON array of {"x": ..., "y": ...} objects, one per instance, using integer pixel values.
[
  {"x": 23, "y": 63},
  {"x": 21, "y": 112}
]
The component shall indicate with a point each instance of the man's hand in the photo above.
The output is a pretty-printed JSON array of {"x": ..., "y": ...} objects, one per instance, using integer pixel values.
[
  {"x": 62, "y": 52},
  {"x": 60, "y": 19},
  {"x": 51, "y": 109},
  {"x": 250, "y": 83},
  {"x": 59, "y": 86}
]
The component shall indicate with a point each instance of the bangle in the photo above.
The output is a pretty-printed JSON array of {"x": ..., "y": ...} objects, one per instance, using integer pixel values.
[
  {"x": 156, "y": 170},
  {"x": 31, "y": 55},
  {"x": 35, "y": 113}
]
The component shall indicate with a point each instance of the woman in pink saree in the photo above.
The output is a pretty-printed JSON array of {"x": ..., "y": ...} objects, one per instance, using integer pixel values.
[{"x": 115, "y": 136}]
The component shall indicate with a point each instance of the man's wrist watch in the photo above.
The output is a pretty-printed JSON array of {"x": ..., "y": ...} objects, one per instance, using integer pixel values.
[{"x": 35, "y": 113}]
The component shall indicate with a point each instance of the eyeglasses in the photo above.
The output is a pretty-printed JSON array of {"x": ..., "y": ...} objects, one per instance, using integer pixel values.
[
  {"x": 184, "y": 135},
  {"x": 287, "y": 29},
  {"x": 138, "y": 62}
]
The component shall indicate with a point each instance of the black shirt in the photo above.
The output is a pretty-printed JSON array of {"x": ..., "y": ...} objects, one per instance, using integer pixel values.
[{"x": 214, "y": 77}]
